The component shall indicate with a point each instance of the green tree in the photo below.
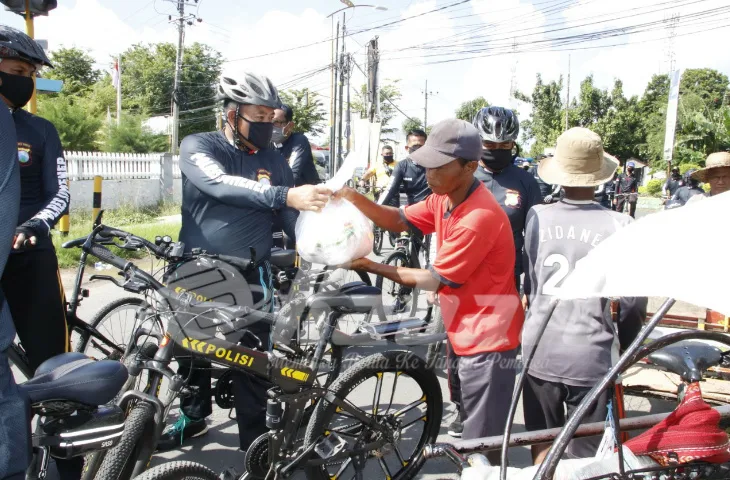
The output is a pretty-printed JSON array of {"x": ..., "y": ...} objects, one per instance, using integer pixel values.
[
  {"x": 132, "y": 137},
  {"x": 102, "y": 97},
  {"x": 414, "y": 123},
  {"x": 708, "y": 84},
  {"x": 148, "y": 73},
  {"x": 389, "y": 95},
  {"x": 75, "y": 67},
  {"x": 545, "y": 125},
  {"x": 76, "y": 128},
  {"x": 469, "y": 109},
  {"x": 309, "y": 112}
]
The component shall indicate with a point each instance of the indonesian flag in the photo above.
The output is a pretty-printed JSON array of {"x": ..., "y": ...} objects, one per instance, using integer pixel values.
[{"x": 115, "y": 74}]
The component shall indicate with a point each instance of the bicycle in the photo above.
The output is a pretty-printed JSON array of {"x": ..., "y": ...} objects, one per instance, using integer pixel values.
[
  {"x": 688, "y": 360},
  {"x": 408, "y": 248},
  {"x": 192, "y": 325},
  {"x": 69, "y": 395},
  {"x": 88, "y": 336}
]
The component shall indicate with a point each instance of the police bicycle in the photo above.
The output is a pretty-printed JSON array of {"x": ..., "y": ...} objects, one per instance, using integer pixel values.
[{"x": 354, "y": 426}]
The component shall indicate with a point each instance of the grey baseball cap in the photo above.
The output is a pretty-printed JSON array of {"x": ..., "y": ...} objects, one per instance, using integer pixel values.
[{"x": 449, "y": 139}]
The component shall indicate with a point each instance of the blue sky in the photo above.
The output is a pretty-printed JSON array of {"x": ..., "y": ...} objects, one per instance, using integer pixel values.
[{"x": 241, "y": 29}]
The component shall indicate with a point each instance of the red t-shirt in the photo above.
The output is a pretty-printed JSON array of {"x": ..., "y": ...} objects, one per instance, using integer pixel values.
[{"x": 475, "y": 263}]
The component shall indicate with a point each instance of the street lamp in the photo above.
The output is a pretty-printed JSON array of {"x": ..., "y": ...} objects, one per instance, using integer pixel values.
[{"x": 348, "y": 4}]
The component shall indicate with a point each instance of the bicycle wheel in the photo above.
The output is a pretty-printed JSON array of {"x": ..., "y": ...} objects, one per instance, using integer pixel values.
[
  {"x": 120, "y": 461},
  {"x": 435, "y": 351},
  {"x": 377, "y": 241},
  {"x": 179, "y": 471},
  {"x": 411, "y": 422},
  {"x": 396, "y": 297},
  {"x": 116, "y": 321},
  {"x": 391, "y": 239}
]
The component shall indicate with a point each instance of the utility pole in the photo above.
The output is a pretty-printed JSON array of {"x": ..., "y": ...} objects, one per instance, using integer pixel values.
[
  {"x": 178, "y": 66},
  {"x": 342, "y": 85},
  {"x": 426, "y": 94},
  {"x": 119, "y": 90},
  {"x": 180, "y": 20},
  {"x": 567, "y": 98},
  {"x": 333, "y": 121},
  {"x": 348, "y": 126}
]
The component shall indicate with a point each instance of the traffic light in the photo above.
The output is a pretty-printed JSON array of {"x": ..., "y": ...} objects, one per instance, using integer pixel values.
[{"x": 37, "y": 7}]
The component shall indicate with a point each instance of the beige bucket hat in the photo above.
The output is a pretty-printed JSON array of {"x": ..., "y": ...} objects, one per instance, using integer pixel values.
[
  {"x": 579, "y": 161},
  {"x": 714, "y": 160}
]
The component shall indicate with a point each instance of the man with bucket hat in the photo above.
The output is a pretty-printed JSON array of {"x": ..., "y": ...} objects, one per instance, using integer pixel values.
[
  {"x": 473, "y": 272},
  {"x": 716, "y": 173},
  {"x": 576, "y": 349}
]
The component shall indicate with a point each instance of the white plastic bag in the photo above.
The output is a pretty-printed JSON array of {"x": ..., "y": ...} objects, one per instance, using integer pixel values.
[{"x": 338, "y": 234}]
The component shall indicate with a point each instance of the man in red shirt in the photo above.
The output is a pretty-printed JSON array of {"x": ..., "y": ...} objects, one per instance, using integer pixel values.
[{"x": 473, "y": 272}]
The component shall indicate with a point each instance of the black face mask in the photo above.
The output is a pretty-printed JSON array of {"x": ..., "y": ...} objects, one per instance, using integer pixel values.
[
  {"x": 259, "y": 133},
  {"x": 16, "y": 88},
  {"x": 413, "y": 148},
  {"x": 387, "y": 158},
  {"x": 496, "y": 160}
]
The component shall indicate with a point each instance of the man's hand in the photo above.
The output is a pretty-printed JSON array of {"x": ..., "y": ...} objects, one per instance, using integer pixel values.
[
  {"x": 615, "y": 201},
  {"x": 345, "y": 193},
  {"x": 357, "y": 264},
  {"x": 308, "y": 197},
  {"x": 22, "y": 240}
]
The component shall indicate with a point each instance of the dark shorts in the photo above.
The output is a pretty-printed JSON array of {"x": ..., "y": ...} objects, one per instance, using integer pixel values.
[{"x": 546, "y": 403}]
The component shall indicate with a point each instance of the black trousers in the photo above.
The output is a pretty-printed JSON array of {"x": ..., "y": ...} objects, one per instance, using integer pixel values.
[
  {"x": 34, "y": 292},
  {"x": 249, "y": 392},
  {"x": 620, "y": 206}
]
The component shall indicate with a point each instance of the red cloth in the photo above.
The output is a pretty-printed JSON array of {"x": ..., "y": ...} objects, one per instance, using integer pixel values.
[{"x": 691, "y": 432}]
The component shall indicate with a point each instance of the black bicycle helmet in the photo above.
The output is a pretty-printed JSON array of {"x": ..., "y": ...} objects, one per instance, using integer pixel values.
[
  {"x": 249, "y": 89},
  {"x": 497, "y": 124},
  {"x": 16, "y": 44},
  {"x": 688, "y": 180}
]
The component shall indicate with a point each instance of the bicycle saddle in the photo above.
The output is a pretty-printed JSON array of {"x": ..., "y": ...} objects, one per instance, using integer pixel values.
[
  {"x": 355, "y": 297},
  {"x": 687, "y": 359},
  {"x": 77, "y": 378},
  {"x": 283, "y": 258}
]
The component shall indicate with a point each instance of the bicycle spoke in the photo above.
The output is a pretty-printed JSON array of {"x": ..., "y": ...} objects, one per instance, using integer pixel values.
[
  {"x": 422, "y": 418},
  {"x": 410, "y": 407},
  {"x": 376, "y": 395},
  {"x": 392, "y": 395},
  {"x": 384, "y": 467},
  {"x": 399, "y": 455}
]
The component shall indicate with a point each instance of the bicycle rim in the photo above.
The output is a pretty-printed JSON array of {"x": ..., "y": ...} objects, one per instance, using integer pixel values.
[{"x": 396, "y": 389}]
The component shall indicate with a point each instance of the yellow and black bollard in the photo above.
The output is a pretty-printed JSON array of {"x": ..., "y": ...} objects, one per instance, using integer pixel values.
[
  {"x": 96, "y": 204},
  {"x": 65, "y": 223}
]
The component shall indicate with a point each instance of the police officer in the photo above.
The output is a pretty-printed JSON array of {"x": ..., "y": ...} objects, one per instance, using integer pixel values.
[
  {"x": 234, "y": 186},
  {"x": 627, "y": 189}
]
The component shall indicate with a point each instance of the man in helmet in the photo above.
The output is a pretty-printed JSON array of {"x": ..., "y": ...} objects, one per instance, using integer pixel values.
[
  {"x": 234, "y": 186},
  {"x": 294, "y": 146},
  {"x": 382, "y": 173},
  {"x": 672, "y": 184},
  {"x": 515, "y": 189},
  {"x": 627, "y": 189},
  {"x": 31, "y": 279},
  {"x": 690, "y": 188}
]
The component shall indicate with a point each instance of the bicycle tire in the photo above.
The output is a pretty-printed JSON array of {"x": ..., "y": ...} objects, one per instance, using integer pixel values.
[
  {"x": 435, "y": 350},
  {"x": 377, "y": 241},
  {"x": 398, "y": 258},
  {"x": 398, "y": 362},
  {"x": 178, "y": 471},
  {"x": 119, "y": 461},
  {"x": 102, "y": 314}
]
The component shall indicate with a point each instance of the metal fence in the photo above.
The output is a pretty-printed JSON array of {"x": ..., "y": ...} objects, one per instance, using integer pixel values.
[{"x": 117, "y": 166}]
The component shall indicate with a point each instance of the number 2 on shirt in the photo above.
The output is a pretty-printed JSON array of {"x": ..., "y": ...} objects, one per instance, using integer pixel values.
[{"x": 551, "y": 284}]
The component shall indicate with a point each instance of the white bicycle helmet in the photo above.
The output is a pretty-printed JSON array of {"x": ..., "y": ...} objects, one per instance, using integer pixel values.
[{"x": 249, "y": 89}]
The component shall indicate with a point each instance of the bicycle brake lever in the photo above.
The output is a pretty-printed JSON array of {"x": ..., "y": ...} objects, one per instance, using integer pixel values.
[{"x": 107, "y": 278}]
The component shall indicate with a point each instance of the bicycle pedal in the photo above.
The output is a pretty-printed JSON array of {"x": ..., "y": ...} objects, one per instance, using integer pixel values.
[{"x": 330, "y": 446}]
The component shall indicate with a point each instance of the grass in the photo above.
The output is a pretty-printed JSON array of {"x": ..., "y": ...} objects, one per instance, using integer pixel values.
[{"x": 140, "y": 222}]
